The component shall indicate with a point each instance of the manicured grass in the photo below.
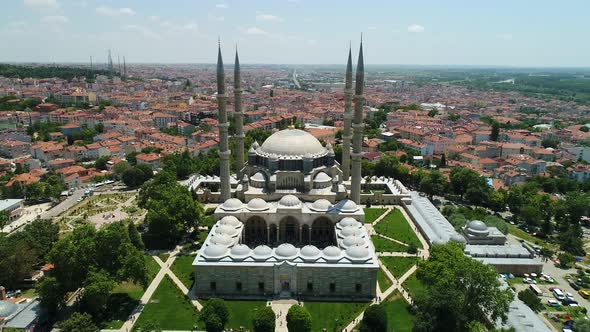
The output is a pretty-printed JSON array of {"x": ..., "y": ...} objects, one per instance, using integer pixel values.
[
  {"x": 29, "y": 293},
  {"x": 395, "y": 226},
  {"x": 152, "y": 268},
  {"x": 512, "y": 229},
  {"x": 399, "y": 318},
  {"x": 385, "y": 245},
  {"x": 170, "y": 309},
  {"x": 241, "y": 313},
  {"x": 414, "y": 286},
  {"x": 183, "y": 269},
  {"x": 371, "y": 214},
  {"x": 124, "y": 298},
  {"x": 383, "y": 280},
  {"x": 164, "y": 257},
  {"x": 333, "y": 316},
  {"x": 398, "y": 265}
]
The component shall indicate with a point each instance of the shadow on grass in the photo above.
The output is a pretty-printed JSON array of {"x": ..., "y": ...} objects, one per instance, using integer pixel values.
[{"x": 119, "y": 307}]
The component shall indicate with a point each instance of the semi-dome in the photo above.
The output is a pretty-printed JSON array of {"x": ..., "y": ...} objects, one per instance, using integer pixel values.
[
  {"x": 309, "y": 251},
  {"x": 321, "y": 205},
  {"x": 230, "y": 220},
  {"x": 257, "y": 204},
  {"x": 258, "y": 177},
  {"x": 222, "y": 239},
  {"x": 232, "y": 204},
  {"x": 477, "y": 225},
  {"x": 286, "y": 250},
  {"x": 353, "y": 240},
  {"x": 262, "y": 250},
  {"x": 226, "y": 230},
  {"x": 7, "y": 308},
  {"x": 322, "y": 177},
  {"x": 292, "y": 142},
  {"x": 240, "y": 250},
  {"x": 289, "y": 201},
  {"x": 348, "y": 222},
  {"x": 215, "y": 251},
  {"x": 350, "y": 230},
  {"x": 357, "y": 252},
  {"x": 347, "y": 206}
]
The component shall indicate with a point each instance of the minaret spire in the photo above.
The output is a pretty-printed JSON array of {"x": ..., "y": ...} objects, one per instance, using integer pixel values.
[
  {"x": 346, "y": 136},
  {"x": 355, "y": 192},
  {"x": 238, "y": 117},
  {"x": 223, "y": 126}
]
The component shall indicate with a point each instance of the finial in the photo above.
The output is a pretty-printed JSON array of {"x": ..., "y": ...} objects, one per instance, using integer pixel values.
[
  {"x": 361, "y": 37},
  {"x": 292, "y": 125},
  {"x": 219, "y": 41}
]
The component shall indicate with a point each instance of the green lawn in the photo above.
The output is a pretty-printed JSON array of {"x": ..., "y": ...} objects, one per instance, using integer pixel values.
[
  {"x": 164, "y": 257},
  {"x": 124, "y": 298},
  {"x": 398, "y": 265},
  {"x": 413, "y": 286},
  {"x": 183, "y": 269},
  {"x": 385, "y": 245},
  {"x": 152, "y": 267},
  {"x": 519, "y": 280},
  {"x": 399, "y": 319},
  {"x": 333, "y": 316},
  {"x": 241, "y": 313},
  {"x": 512, "y": 229},
  {"x": 170, "y": 309},
  {"x": 29, "y": 293},
  {"x": 383, "y": 280},
  {"x": 371, "y": 214},
  {"x": 395, "y": 226}
]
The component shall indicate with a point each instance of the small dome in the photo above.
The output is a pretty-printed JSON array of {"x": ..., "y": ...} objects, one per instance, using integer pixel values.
[
  {"x": 257, "y": 204},
  {"x": 262, "y": 250},
  {"x": 350, "y": 230},
  {"x": 458, "y": 238},
  {"x": 348, "y": 222},
  {"x": 321, "y": 205},
  {"x": 322, "y": 177},
  {"x": 309, "y": 251},
  {"x": 232, "y": 204},
  {"x": 286, "y": 250},
  {"x": 357, "y": 252},
  {"x": 222, "y": 239},
  {"x": 289, "y": 201},
  {"x": 477, "y": 225},
  {"x": 347, "y": 206},
  {"x": 240, "y": 250},
  {"x": 332, "y": 251},
  {"x": 7, "y": 308},
  {"x": 353, "y": 240},
  {"x": 255, "y": 145},
  {"x": 226, "y": 230},
  {"x": 230, "y": 220},
  {"x": 215, "y": 251},
  {"x": 258, "y": 177}
]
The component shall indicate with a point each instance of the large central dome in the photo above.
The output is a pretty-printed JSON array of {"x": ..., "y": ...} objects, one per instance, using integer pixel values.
[{"x": 292, "y": 142}]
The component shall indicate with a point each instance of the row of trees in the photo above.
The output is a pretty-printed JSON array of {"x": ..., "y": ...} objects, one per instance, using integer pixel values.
[{"x": 50, "y": 186}]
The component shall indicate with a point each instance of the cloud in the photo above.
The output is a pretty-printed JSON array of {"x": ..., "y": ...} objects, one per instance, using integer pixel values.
[
  {"x": 142, "y": 30},
  {"x": 214, "y": 17},
  {"x": 312, "y": 42},
  {"x": 268, "y": 18},
  {"x": 154, "y": 18},
  {"x": 504, "y": 36},
  {"x": 372, "y": 27},
  {"x": 41, "y": 4},
  {"x": 114, "y": 12},
  {"x": 252, "y": 31},
  {"x": 54, "y": 20},
  {"x": 222, "y": 5},
  {"x": 415, "y": 28}
]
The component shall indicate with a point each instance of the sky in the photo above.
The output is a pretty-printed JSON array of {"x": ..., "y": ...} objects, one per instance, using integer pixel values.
[{"x": 524, "y": 33}]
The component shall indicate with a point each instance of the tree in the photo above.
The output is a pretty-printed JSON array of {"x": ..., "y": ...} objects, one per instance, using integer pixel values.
[
  {"x": 137, "y": 175},
  {"x": 374, "y": 319},
  {"x": 565, "y": 259},
  {"x": 101, "y": 163},
  {"x": 434, "y": 183},
  {"x": 215, "y": 315},
  {"x": 443, "y": 160},
  {"x": 134, "y": 236},
  {"x": 582, "y": 325},
  {"x": 51, "y": 294},
  {"x": 495, "y": 131},
  {"x": 17, "y": 258},
  {"x": 131, "y": 158},
  {"x": 531, "y": 299},
  {"x": 78, "y": 322},
  {"x": 298, "y": 319},
  {"x": 264, "y": 320},
  {"x": 433, "y": 112},
  {"x": 149, "y": 326},
  {"x": 459, "y": 290},
  {"x": 3, "y": 219},
  {"x": 97, "y": 289}
]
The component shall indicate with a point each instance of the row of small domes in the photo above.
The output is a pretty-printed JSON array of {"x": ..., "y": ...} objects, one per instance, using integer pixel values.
[
  {"x": 287, "y": 250},
  {"x": 290, "y": 201}
]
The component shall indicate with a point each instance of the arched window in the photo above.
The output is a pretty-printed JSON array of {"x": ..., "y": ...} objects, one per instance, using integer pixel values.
[{"x": 255, "y": 232}]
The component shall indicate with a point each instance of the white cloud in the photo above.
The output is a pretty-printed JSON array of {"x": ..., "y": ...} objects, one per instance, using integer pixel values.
[
  {"x": 222, "y": 5},
  {"x": 213, "y": 17},
  {"x": 154, "y": 18},
  {"x": 415, "y": 28},
  {"x": 504, "y": 36},
  {"x": 41, "y": 4},
  {"x": 268, "y": 18},
  {"x": 114, "y": 12},
  {"x": 252, "y": 31},
  {"x": 55, "y": 20},
  {"x": 142, "y": 30}
]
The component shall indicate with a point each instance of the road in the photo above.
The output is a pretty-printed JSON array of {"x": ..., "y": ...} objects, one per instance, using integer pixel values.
[
  {"x": 295, "y": 79},
  {"x": 64, "y": 205},
  {"x": 29, "y": 214}
]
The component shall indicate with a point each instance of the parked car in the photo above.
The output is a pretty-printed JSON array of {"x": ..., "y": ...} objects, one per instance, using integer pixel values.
[
  {"x": 553, "y": 303},
  {"x": 584, "y": 293}
]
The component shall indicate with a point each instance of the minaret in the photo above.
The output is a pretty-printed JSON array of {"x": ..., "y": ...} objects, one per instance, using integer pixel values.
[
  {"x": 223, "y": 125},
  {"x": 357, "y": 126},
  {"x": 347, "y": 135},
  {"x": 124, "y": 68},
  {"x": 238, "y": 118}
]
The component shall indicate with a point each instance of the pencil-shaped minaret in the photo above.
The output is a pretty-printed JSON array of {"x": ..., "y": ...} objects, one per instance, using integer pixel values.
[
  {"x": 357, "y": 126},
  {"x": 223, "y": 126},
  {"x": 347, "y": 135},
  {"x": 238, "y": 118}
]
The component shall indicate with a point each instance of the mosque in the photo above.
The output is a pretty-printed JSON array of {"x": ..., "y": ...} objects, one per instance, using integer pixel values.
[{"x": 289, "y": 223}]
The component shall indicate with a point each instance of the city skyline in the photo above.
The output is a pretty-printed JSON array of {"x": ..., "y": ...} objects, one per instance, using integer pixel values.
[{"x": 297, "y": 32}]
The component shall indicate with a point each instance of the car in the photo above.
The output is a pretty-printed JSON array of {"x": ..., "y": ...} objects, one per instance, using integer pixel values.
[
  {"x": 573, "y": 284},
  {"x": 584, "y": 293},
  {"x": 553, "y": 303}
]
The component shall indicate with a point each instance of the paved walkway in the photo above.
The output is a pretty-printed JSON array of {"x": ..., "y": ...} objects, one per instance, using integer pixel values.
[{"x": 280, "y": 308}]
